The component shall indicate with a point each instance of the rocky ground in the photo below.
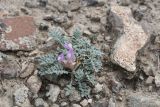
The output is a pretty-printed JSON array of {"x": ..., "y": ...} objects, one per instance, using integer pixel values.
[{"x": 127, "y": 31}]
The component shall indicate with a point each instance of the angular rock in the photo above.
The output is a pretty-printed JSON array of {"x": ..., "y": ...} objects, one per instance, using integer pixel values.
[
  {"x": 20, "y": 96},
  {"x": 75, "y": 96},
  {"x": 9, "y": 67},
  {"x": 34, "y": 84},
  {"x": 5, "y": 102},
  {"x": 20, "y": 34},
  {"x": 53, "y": 93},
  {"x": 84, "y": 103},
  {"x": 39, "y": 102},
  {"x": 138, "y": 100},
  {"x": 132, "y": 37},
  {"x": 27, "y": 70},
  {"x": 157, "y": 79},
  {"x": 149, "y": 80},
  {"x": 75, "y": 105}
]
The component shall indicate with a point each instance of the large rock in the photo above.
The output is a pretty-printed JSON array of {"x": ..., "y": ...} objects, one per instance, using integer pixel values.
[
  {"x": 19, "y": 34},
  {"x": 138, "y": 100},
  {"x": 131, "y": 37}
]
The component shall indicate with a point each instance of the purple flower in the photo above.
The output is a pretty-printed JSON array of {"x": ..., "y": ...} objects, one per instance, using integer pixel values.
[
  {"x": 61, "y": 57},
  {"x": 69, "y": 60}
]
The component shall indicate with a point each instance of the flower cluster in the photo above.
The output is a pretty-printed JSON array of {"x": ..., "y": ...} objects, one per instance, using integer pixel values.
[{"x": 69, "y": 59}]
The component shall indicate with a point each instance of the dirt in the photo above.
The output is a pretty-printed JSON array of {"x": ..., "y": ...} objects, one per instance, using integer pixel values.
[{"x": 115, "y": 86}]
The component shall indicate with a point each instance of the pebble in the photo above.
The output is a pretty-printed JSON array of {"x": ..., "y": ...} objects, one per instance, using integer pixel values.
[
  {"x": 53, "y": 92},
  {"x": 84, "y": 103},
  {"x": 75, "y": 105},
  {"x": 98, "y": 88},
  {"x": 64, "y": 104},
  {"x": 39, "y": 102},
  {"x": 20, "y": 95},
  {"x": 54, "y": 105},
  {"x": 27, "y": 71},
  {"x": 34, "y": 84},
  {"x": 75, "y": 96},
  {"x": 149, "y": 80}
]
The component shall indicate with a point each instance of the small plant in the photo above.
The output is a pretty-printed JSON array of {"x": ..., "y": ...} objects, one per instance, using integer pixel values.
[{"x": 75, "y": 56}]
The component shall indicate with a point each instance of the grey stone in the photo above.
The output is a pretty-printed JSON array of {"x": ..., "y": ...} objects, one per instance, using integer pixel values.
[
  {"x": 149, "y": 80},
  {"x": 39, "y": 102},
  {"x": 54, "y": 105},
  {"x": 98, "y": 88},
  {"x": 64, "y": 104},
  {"x": 53, "y": 93},
  {"x": 138, "y": 100},
  {"x": 31, "y": 4},
  {"x": 84, "y": 103},
  {"x": 112, "y": 103},
  {"x": 34, "y": 84},
  {"x": 131, "y": 38},
  {"x": 157, "y": 79},
  {"x": 9, "y": 67},
  {"x": 75, "y": 105},
  {"x": 27, "y": 71},
  {"x": 75, "y": 96},
  {"x": 21, "y": 95}
]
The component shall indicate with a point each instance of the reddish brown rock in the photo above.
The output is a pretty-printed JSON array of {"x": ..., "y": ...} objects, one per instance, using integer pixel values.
[{"x": 20, "y": 34}]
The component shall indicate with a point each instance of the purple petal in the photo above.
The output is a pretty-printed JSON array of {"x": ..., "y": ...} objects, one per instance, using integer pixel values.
[
  {"x": 70, "y": 55},
  {"x": 61, "y": 57},
  {"x": 68, "y": 46}
]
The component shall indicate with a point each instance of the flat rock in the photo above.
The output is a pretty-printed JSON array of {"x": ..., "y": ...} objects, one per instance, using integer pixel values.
[
  {"x": 20, "y": 34},
  {"x": 138, "y": 100},
  {"x": 131, "y": 37}
]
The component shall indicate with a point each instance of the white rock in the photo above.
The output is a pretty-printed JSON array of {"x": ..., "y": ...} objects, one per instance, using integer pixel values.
[
  {"x": 53, "y": 93},
  {"x": 84, "y": 103},
  {"x": 132, "y": 38},
  {"x": 75, "y": 105}
]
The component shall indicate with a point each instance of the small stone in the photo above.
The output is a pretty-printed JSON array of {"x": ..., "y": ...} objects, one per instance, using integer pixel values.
[
  {"x": 21, "y": 34},
  {"x": 157, "y": 79},
  {"x": 48, "y": 17},
  {"x": 139, "y": 100},
  {"x": 34, "y": 84},
  {"x": 132, "y": 38},
  {"x": 5, "y": 102},
  {"x": 75, "y": 105},
  {"x": 63, "y": 104},
  {"x": 69, "y": 14},
  {"x": 9, "y": 67},
  {"x": 31, "y": 4},
  {"x": 98, "y": 88},
  {"x": 149, "y": 80},
  {"x": 75, "y": 5},
  {"x": 53, "y": 93},
  {"x": 90, "y": 101},
  {"x": 27, "y": 71},
  {"x": 59, "y": 19},
  {"x": 84, "y": 103},
  {"x": 94, "y": 28},
  {"x": 39, "y": 102},
  {"x": 43, "y": 27},
  {"x": 115, "y": 86},
  {"x": 111, "y": 103},
  {"x": 101, "y": 103},
  {"x": 43, "y": 3},
  {"x": 54, "y": 105},
  {"x": 75, "y": 96},
  {"x": 26, "y": 11},
  {"x": 21, "y": 95},
  {"x": 125, "y": 2}
]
